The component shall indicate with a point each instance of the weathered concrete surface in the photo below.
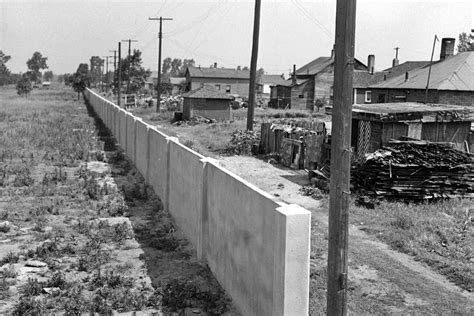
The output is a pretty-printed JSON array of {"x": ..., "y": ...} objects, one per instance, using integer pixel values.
[
  {"x": 185, "y": 197},
  {"x": 131, "y": 132},
  {"x": 240, "y": 243},
  {"x": 158, "y": 164},
  {"x": 122, "y": 135},
  {"x": 142, "y": 148}
]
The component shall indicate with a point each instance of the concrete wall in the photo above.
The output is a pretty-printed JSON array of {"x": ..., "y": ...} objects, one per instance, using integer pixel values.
[{"x": 257, "y": 248}]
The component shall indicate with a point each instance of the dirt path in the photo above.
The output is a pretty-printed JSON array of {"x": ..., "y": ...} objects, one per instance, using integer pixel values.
[{"x": 381, "y": 280}]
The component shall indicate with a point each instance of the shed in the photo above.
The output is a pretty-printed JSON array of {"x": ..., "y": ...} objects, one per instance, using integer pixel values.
[
  {"x": 374, "y": 125},
  {"x": 208, "y": 102}
]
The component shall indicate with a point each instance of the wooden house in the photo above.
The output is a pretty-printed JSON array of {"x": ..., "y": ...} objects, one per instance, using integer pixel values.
[{"x": 207, "y": 102}]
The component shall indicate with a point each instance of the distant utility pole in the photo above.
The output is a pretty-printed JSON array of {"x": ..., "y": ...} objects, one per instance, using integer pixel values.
[
  {"x": 119, "y": 72},
  {"x": 253, "y": 66},
  {"x": 115, "y": 62},
  {"x": 107, "y": 72},
  {"x": 160, "y": 36},
  {"x": 129, "y": 60},
  {"x": 429, "y": 71},
  {"x": 340, "y": 158}
]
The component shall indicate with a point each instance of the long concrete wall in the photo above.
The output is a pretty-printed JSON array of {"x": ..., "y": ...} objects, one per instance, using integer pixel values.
[{"x": 257, "y": 248}]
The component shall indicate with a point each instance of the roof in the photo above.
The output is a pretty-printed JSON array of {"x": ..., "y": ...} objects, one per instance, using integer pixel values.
[
  {"x": 315, "y": 66},
  {"x": 176, "y": 80},
  {"x": 408, "y": 111},
  {"x": 454, "y": 73},
  {"x": 230, "y": 73},
  {"x": 273, "y": 80},
  {"x": 207, "y": 92},
  {"x": 363, "y": 79},
  {"x": 404, "y": 67}
]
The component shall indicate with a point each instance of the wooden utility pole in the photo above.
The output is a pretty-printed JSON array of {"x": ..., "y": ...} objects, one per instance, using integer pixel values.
[
  {"x": 129, "y": 60},
  {"x": 340, "y": 158},
  {"x": 115, "y": 63},
  {"x": 160, "y": 36},
  {"x": 119, "y": 89},
  {"x": 107, "y": 77},
  {"x": 253, "y": 66},
  {"x": 429, "y": 71}
]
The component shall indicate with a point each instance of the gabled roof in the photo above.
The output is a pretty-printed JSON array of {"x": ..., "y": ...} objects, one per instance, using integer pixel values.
[
  {"x": 315, "y": 66},
  {"x": 228, "y": 73},
  {"x": 404, "y": 67},
  {"x": 176, "y": 80},
  {"x": 207, "y": 92},
  {"x": 273, "y": 80},
  {"x": 319, "y": 64},
  {"x": 454, "y": 73}
]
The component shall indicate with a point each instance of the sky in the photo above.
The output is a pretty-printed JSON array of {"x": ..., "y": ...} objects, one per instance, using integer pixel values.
[{"x": 69, "y": 32}]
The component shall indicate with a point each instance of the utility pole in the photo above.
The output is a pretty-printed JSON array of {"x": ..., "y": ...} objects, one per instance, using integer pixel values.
[
  {"x": 160, "y": 36},
  {"x": 340, "y": 158},
  {"x": 253, "y": 66},
  {"x": 119, "y": 73},
  {"x": 107, "y": 77},
  {"x": 115, "y": 62},
  {"x": 129, "y": 60},
  {"x": 429, "y": 71}
]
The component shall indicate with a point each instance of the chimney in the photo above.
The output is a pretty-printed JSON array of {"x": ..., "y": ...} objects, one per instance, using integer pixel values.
[
  {"x": 215, "y": 65},
  {"x": 447, "y": 48},
  {"x": 395, "y": 62},
  {"x": 293, "y": 77},
  {"x": 371, "y": 64}
]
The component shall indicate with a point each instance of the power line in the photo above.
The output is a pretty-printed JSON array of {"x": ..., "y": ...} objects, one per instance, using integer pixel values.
[{"x": 312, "y": 18}]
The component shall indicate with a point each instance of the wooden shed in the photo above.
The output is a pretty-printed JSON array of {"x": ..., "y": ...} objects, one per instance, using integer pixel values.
[
  {"x": 208, "y": 102},
  {"x": 374, "y": 125}
]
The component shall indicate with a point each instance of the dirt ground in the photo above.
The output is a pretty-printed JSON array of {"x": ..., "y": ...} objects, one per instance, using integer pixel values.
[{"x": 381, "y": 280}]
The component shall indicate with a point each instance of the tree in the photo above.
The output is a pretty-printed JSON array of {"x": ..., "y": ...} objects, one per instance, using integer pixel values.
[
  {"x": 96, "y": 69},
  {"x": 176, "y": 66},
  {"x": 137, "y": 74},
  {"x": 466, "y": 42},
  {"x": 260, "y": 73},
  {"x": 36, "y": 63},
  {"x": 166, "y": 65},
  {"x": 186, "y": 63},
  {"x": 81, "y": 79},
  {"x": 48, "y": 75},
  {"x": 24, "y": 86},
  {"x": 4, "y": 71}
]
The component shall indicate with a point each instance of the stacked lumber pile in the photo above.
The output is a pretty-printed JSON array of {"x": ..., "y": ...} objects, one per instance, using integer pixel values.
[{"x": 416, "y": 170}]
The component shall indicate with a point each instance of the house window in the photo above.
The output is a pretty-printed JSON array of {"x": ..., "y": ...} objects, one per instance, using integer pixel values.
[
  {"x": 218, "y": 86},
  {"x": 301, "y": 96},
  {"x": 368, "y": 96},
  {"x": 331, "y": 92},
  {"x": 227, "y": 89}
]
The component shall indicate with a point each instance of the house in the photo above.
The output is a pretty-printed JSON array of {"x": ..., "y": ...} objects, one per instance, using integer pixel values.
[
  {"x": 176, "y": 82},
  {"x": 208, "y": 102},
  {"x": 267, "y": 81},
  {"x": 373, "y": 125},
  {"x": 451, "y": 81},
  {"x": 316, "y": 87},
  {"x": 226, "y": 80}
]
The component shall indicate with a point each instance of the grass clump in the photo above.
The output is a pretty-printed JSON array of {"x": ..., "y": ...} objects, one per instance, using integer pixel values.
[{"x": 439, "y": 234}]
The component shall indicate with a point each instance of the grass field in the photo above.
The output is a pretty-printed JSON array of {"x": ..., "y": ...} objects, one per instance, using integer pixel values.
[{"x": 80, "y": 232}]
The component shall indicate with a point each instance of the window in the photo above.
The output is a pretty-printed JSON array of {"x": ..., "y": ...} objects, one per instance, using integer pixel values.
[
  {"x": 331, "y": 92},
  {"x": 368, "y": 96},
  {"x": 227, "y": 88},
  {"x": 218, "y": 86},
  {"x": 301, "y": 96}
]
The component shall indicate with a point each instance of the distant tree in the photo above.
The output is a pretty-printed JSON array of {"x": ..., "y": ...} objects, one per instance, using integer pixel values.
[
  {"x": 48, "y": 75},
  {"x": 260, "y": 73},
  {"x": 186, "y": 63},
  {"x": 239, "y": 67},
  {"x": 245, "y": 68},
  {"x": 81, "y": 79},
  {"x": 166, "y": 87},
  {"x": 4, "y": 71},
  {"x": 96, "y": 64},
  {"x": 137, "y": 74},
  {"x": 166, "y": 65},
  {"x": 24, "y": 86},
  {"x": 35, "y": 64},
  {"x": 466, "y": 42},
  {"x": 68, "y": 79},
  {"x": 176, "y": 64}
]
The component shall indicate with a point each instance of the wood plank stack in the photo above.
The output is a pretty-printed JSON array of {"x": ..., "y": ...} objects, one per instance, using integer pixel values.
[{"x": 416, "y": 170}]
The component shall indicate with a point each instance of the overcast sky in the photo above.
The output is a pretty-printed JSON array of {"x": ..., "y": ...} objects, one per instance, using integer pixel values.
[{"x": 69, "y": 32}]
